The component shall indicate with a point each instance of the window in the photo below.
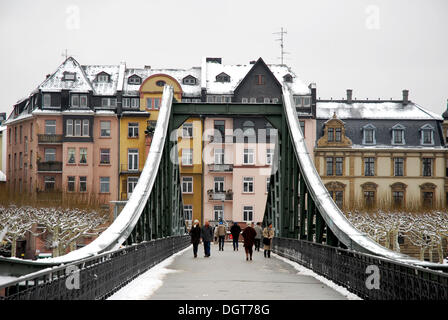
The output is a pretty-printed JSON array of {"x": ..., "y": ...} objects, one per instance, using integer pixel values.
[
  {"x": 330, "y": 134},
  {"x": 306, "y": 101},
  {"x": 259, "y": 79},
  {"x": 134, "y": 80},
  {"x": 75, "y": 100},
  {"x": 71, "y": 155},
  {"x": 31, "y": 158},
  {"x": 244, "y": 100},
  {"x": 248, "y": 213},
  {"x": 105, "y": 128},
  {"x": 268, "y": 180},
  {"x": 249, "y": 129},
  {"x": 338, "y": 135},
  {"x": 78, "y": 127},
  {"x": 298, "y": 101},
  {"x": 104, "y": 184},
  {"x": 31, "y": 133},
  {"x": 50, "y": 126},
  {"x": 368, "y": 134},
  {"x": 302, "y": 127},
  {"x": 83, "y": 101},
  {"x": 369, "y": 199},
  {"x": 187, "y": 157},
  {"x": 49, "y": 183},
  {"x": 69, "y": 127},
  {"x": 47, "y": 100},
  {"x": 219, "y": 156},
  {"x": 427, "y": 135},
  {"x": 69, "y": 76},
  {"x": 133, "y": 129},
  {"x": 398, "y": 167},
  {"x": 338, "y": 198},
  {"x": 369, "y": 166},
  {"x": 266, "y": 100},
  {"x": 428, "y": 199},
  {"x": 50, "y": 154},
  {"x": 132, "y": 159},
  {"x": 219, "y": 130},
  {"x": 187, "y": 130},
  {"x": 253, "y": 100},
  {"x": 223, "y": 77},
  {"x": 82, "y": 184},
  {"x": 156, "y": 103},
  {"x": 210, "y": 99},
  {"x": 218, "y": 212},
  {"x": 108, "y": 102},
  {"x": 248, "y": 157},
  {"x": 248, "y": 184},
  {"x": 85, "y": 128},
  {"x": 132, "y": 182},
  {"x": 104, "y": 156},
  {"x": 339, "y": 166},
  {"x": 21, "y": 134},
  {"x": 219, "y": 184},
  {"x": 187, "y": 184},
  {"x": 79, "y": 100},
  {"x": 398, "y": 199},
  {"x": 26, "y": 144},
  {"x": 20, "y": 160},
  {"x": 329, "y": 162},
  {"x": 427, "y": 167},
  {"x": 102, "y": 77},
  {"x": 274, "y": 100},
  {"x": 287, "y": 78},
  {"x": 269, "y": 156},
  {"x": 15, "y": 135},
  {"x": 71, "y": 184},
  {"x": 126, "y": 102},
  {"x": 83, "y": 155},
  {"x": 135, "y": 103},
  {"x": 189, "y": 80},
  {"x": 398, "y": 134},
  {"x": 188, "y": 212}
]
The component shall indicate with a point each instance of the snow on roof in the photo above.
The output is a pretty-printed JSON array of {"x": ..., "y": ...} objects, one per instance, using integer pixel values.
[
  {"x": 55, "y": 82},
  {"x": 373, "y": 110},
  {"x": 103, "y": 88},
  {"x": 297, "y": 86}
]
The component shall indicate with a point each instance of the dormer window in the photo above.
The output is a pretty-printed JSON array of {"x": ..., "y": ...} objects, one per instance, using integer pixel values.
[
  {"x": 223, "y": 77},
  {"x": 398, "y": 134},
  {"x": 287, "y": 78},
  {"x": 189, "y": 80},
  {"x": 69, "y": 76},
  {"x": 369, "y": 134},
  {"x": 427, "y": 135},
  {"x": 135, "y": 80},
  {"x": 102, "y": 77}
]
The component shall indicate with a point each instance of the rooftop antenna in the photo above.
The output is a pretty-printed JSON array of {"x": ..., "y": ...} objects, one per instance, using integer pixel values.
[
  {"x": 282, "y": 41},
  {"x": 65, "y": 54}
]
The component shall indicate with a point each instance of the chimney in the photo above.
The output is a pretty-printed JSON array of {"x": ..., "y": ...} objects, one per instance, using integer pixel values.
[
  {"x": 215, "y": 60},
  {"x": 47, "y": 76},
  {"x": 147, "y": 67},
  {"x": 405, "y": 97},
  {"x": 349, "y": 96},
  {"x": 252, "y": 62}
]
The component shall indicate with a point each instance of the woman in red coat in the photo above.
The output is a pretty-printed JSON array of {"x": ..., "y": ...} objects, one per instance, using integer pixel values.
[{"x": 249, "y": 234}]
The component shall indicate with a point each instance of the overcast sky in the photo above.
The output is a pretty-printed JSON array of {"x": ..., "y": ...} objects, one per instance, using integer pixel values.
[{"x": 377, "y": 48}]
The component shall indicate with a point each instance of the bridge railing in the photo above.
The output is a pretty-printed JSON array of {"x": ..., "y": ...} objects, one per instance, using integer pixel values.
[
  {"x": 367, "y": 276},
  {"x": 94, "y": 277}
]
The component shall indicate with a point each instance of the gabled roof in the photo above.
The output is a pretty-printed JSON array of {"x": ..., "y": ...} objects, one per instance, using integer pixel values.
[
  {"x": 104, "y": 88},
  {"x": 55, "y": 81},
  {"x": 259, "y": 62}
]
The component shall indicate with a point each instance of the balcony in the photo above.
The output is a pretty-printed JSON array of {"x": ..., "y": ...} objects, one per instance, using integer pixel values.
[
  {"x": 49, "y": 166},
  {"x": 219, "y": 138},
  {"x": 220, "y": 195},
  {"x": 49, "y": 138},
  {"x": 124, "y": 168},
  {"x": 220, "y": 167}
]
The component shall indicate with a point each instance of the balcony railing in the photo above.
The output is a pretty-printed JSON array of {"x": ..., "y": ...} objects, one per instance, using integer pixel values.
[
  {"x": 219, "y": 139},
  {"x": 49, "y": 166},
  {"x": 124, "y": 167},
  {"x": 220, "y": 195},
  {"x": 49, "y": 138},
  {"x": 220, "y": 167}
]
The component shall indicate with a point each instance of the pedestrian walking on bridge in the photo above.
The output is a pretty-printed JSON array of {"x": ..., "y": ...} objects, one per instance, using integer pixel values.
[
  {"x": 259, "y": 232},
  {"x": 221, "y": 230},
  {"x": 195, "y": 234},
  {"x": 249, "y": 234},
  {"x": 235, "y": 230},
  {"x": 207, "y": 237},
  {"x": 268, "y": 235}
]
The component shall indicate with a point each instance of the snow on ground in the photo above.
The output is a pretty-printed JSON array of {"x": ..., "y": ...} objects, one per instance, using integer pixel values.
[
  {"x": 146, "y": 284},
  {"x": 307, "y": 272}
]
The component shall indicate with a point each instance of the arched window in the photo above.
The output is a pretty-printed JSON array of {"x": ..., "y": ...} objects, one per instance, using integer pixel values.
[
  {"x": 427, "y": 135},
  {"x": 398, "y": 134},
  {"x": 368, "y": 136}
]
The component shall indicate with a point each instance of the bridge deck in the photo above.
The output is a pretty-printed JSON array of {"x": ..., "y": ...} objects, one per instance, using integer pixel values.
[{"x": 227, "y": 275}]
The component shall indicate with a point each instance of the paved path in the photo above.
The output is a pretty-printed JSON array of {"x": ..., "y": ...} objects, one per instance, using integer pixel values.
[{"x": 227, "y": 275}]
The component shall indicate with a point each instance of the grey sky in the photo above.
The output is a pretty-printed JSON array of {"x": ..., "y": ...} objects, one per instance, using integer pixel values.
[{"x": 377, "y": 48}]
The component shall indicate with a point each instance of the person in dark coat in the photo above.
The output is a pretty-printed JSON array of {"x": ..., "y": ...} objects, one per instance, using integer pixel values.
[
  {"x": 235, "y": 230},
  {"x": 195, "y": 234},
  {"x": 249, "y": 234},
  {"x": 207, "y": 237}
]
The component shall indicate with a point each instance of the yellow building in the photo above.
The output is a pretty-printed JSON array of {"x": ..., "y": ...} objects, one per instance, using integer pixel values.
[{"x": 190, "y": 161}]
